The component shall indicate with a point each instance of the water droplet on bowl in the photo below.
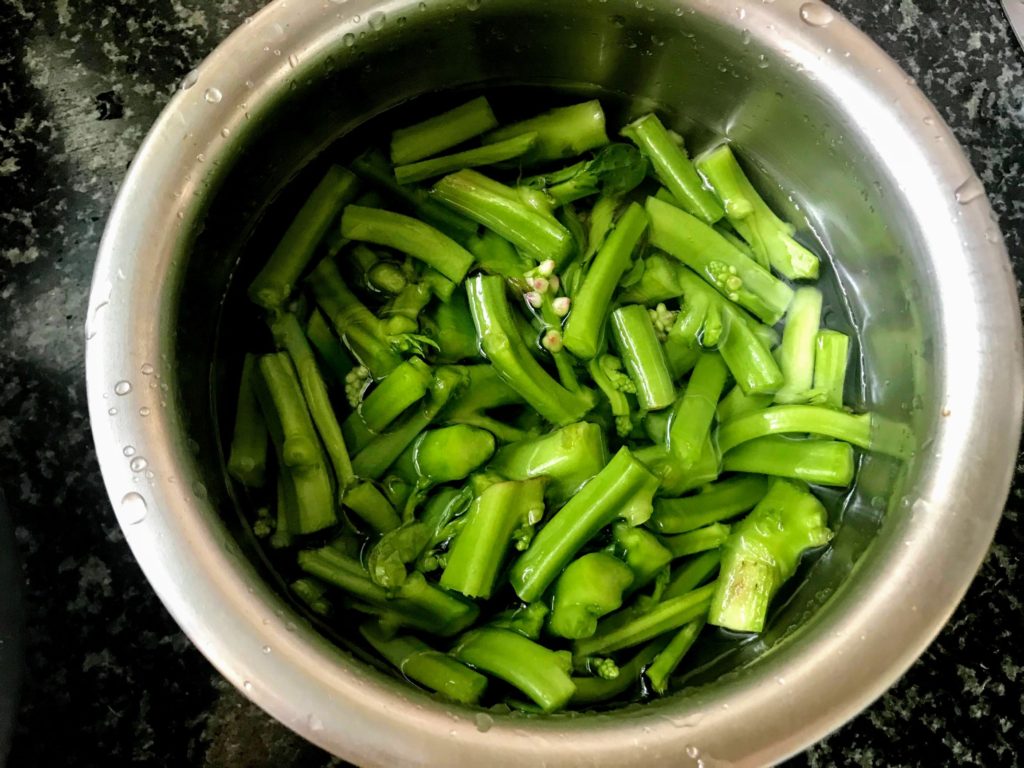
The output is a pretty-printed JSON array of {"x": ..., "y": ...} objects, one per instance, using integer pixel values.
[
  {"x": 275, "y": 33},
  {"x": 348, "y": 40},
  {"x": 122, "y": 387},
  {"x": 225, "y": 132},
  {"x": 213, "y": 95},
  {"x": 266, "y": 649},
  {"x": 483, "y": 722},
  {"x": 133, "y": 508},
  {"x": 138, "y": 464},
  {"x": 315, "y": 723},
  {"x": 112, "y": 411},
  {"x": 247, "y": 686},
  {"x": 92, "y": 323},
  {"x": 189, "y": 80},
  {"x": 816, "y": 14},
  {"x": 147, "y": 369},
  {"x": 692, "y": 751},
  {"x": 144, "y": 411},
  {"x": 376, "y": 20},
  {"x": 129, "y": 451},
  {"x": 970, "y": 190},
  {"x": 293, "y": 61}
]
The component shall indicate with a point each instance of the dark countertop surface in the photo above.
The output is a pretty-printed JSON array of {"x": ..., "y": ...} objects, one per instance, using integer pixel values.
[{"x": 109, "y": 679}]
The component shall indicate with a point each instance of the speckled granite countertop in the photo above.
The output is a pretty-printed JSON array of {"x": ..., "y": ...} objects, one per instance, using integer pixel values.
[{"x": 110, "y": 679}]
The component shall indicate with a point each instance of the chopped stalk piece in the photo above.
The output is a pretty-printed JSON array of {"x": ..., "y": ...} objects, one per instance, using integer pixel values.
[
  {"x": 642, "y": 551},
  {"x": 694, "y": 572},
  {"x": 763, "y": 552},
  {"x": 865, "y": 430},
  {"x": 606, "y": 371},
  {"x": 567, "y": 457},
  {"x": 417, "y": 603},
  {"x": 624, "y": 630},
  {"x": 823, "y": 462},
  {"x": 673, "y": 167},
  {"x": 700, "y": 540},
  {"x": 769, "y": 237},
  {"x": 289, "y": 336},
  {"x": 493, "y": 518},
  {"x": 737, "y": 403},
  {"x": 673, "y": 478},
  {"x": 502, "y": 211},
  {"x": 441, "y": 132},
  {"x": 447, "y": 454},
  {"x": 497, "y": 256},
  {"x": 483, "y": 391},
  {"x": 337, "y": 363},
  {"x": 451, "y": 327},
  {"x": 593, "y": 690},
  {"x": 643, "y": 357},
  {"x": 733, "y": 274},
  {"x": 799, "y": 340},
  {"x": 583, "y": 329},
  {"x": 713, "y": 504},
  {"x": 541, "y": 674},
  {"x": 623, "y": 488},
  {"x": 695, "y": 411},
  {"x": 374, "y": 168},
  {"x": 408, "y": 235},
  {"x": 659, "y": 282},
  {"x": 405, "y": 385},
  {"x": 588, "y": 588},
  {"x": 500, "y": 341},
  {"x": 313, "y": 594},
  {"x": 432, "y": 669},
  {"x": 831, "y": 354},
  {"x": 372, "y": 507},
  {"x": 296, "y": 444},
  {"x": 561, "y": 132},
  {"x": 489, "y": 154},
  {"x": 275, "y": 282},
  {"x": 614, "y": 171},
  {"x": 381, "y": 452},
  {"x": 247, "y": 460},
  {"x": 527, "y": 620},
  {"x": 667, "y": 661}
]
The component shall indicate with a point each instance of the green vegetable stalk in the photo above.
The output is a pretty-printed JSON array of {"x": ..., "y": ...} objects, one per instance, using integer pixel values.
[
  {"x": 594, "y": 690},
  {"x": 698, "y": 540},
  {"x": 336, "y": 362},
  {"x": 762, "y": 553},
  {"x": 694, "y": 572},
  {"x": 541, "y": 674},
  {"x": 799, "y": 341},
  {"x": 372, "y": 507},
  {"x": 769, "y": 237},
  {"x": 588, "y": 588},
  {"x": 695, "y": 411},
  {"x": 823, "y": 462},
  {"x": 673, "y": 479},
  {"x": 614, "y": 171},
  {"x": 405, "y": 385},
  {"x": 831, "y": 354},
  {"x": 484, "y": 390},
  {"x": 583, "y": 328},
  {"x": 276, "y": 281},
  {"x": 737, "y": 403},
  {"x": 567, "y": 457},
  {"x": 247, "y": 459},
  {"x": 442, "y": 132},
  {"x": 623, "y": 488},
  {"x": 296, "y": 443},
  {"x": 489, "y": 154},
  {"x": 733, "y": 274},
  {"x": 642, "y": 551},
  {"x": 494, "y": 518},
  {"x": 408, "y": 235},
  {"x": 666, "y": 662},
  {"x": 643, "y": 357},
  {"x": 506, "y": 351},
  {"x": 420, "y": 663},
  {"x": 561, "y": 132},
  {"x": 658, "y": 282},
  {"x": 713, "y": 504},
  {"x": 527, "y": 620},
  {"x": 673, "y": 167},
  {"x": 626, "y": 629},
  {"x": 447, "y": 454},
  {"x": 503, "y": 211}
]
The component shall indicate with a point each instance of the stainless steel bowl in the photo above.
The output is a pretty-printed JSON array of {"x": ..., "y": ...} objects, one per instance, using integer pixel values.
[{"x": 851, "y": 143}]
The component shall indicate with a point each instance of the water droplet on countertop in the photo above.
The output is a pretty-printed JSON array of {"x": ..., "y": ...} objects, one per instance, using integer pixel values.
[
  {"x": 189, "y": 80},
  {"x": 122, "y": 387},
  {"x": 817, "y": 14},
  {"x": 970, "y": 190},
  {"x": 138, "y": 464},
  {"x": 133, "y": 508},
  {"x": 213, "y": 95}
]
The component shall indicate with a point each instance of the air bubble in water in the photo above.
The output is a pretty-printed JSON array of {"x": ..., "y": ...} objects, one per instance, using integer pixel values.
[
  {"x": 133, "y": 508},
  {"x": 816, "y": 14},
  {"x": 122, "y": 387}
]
